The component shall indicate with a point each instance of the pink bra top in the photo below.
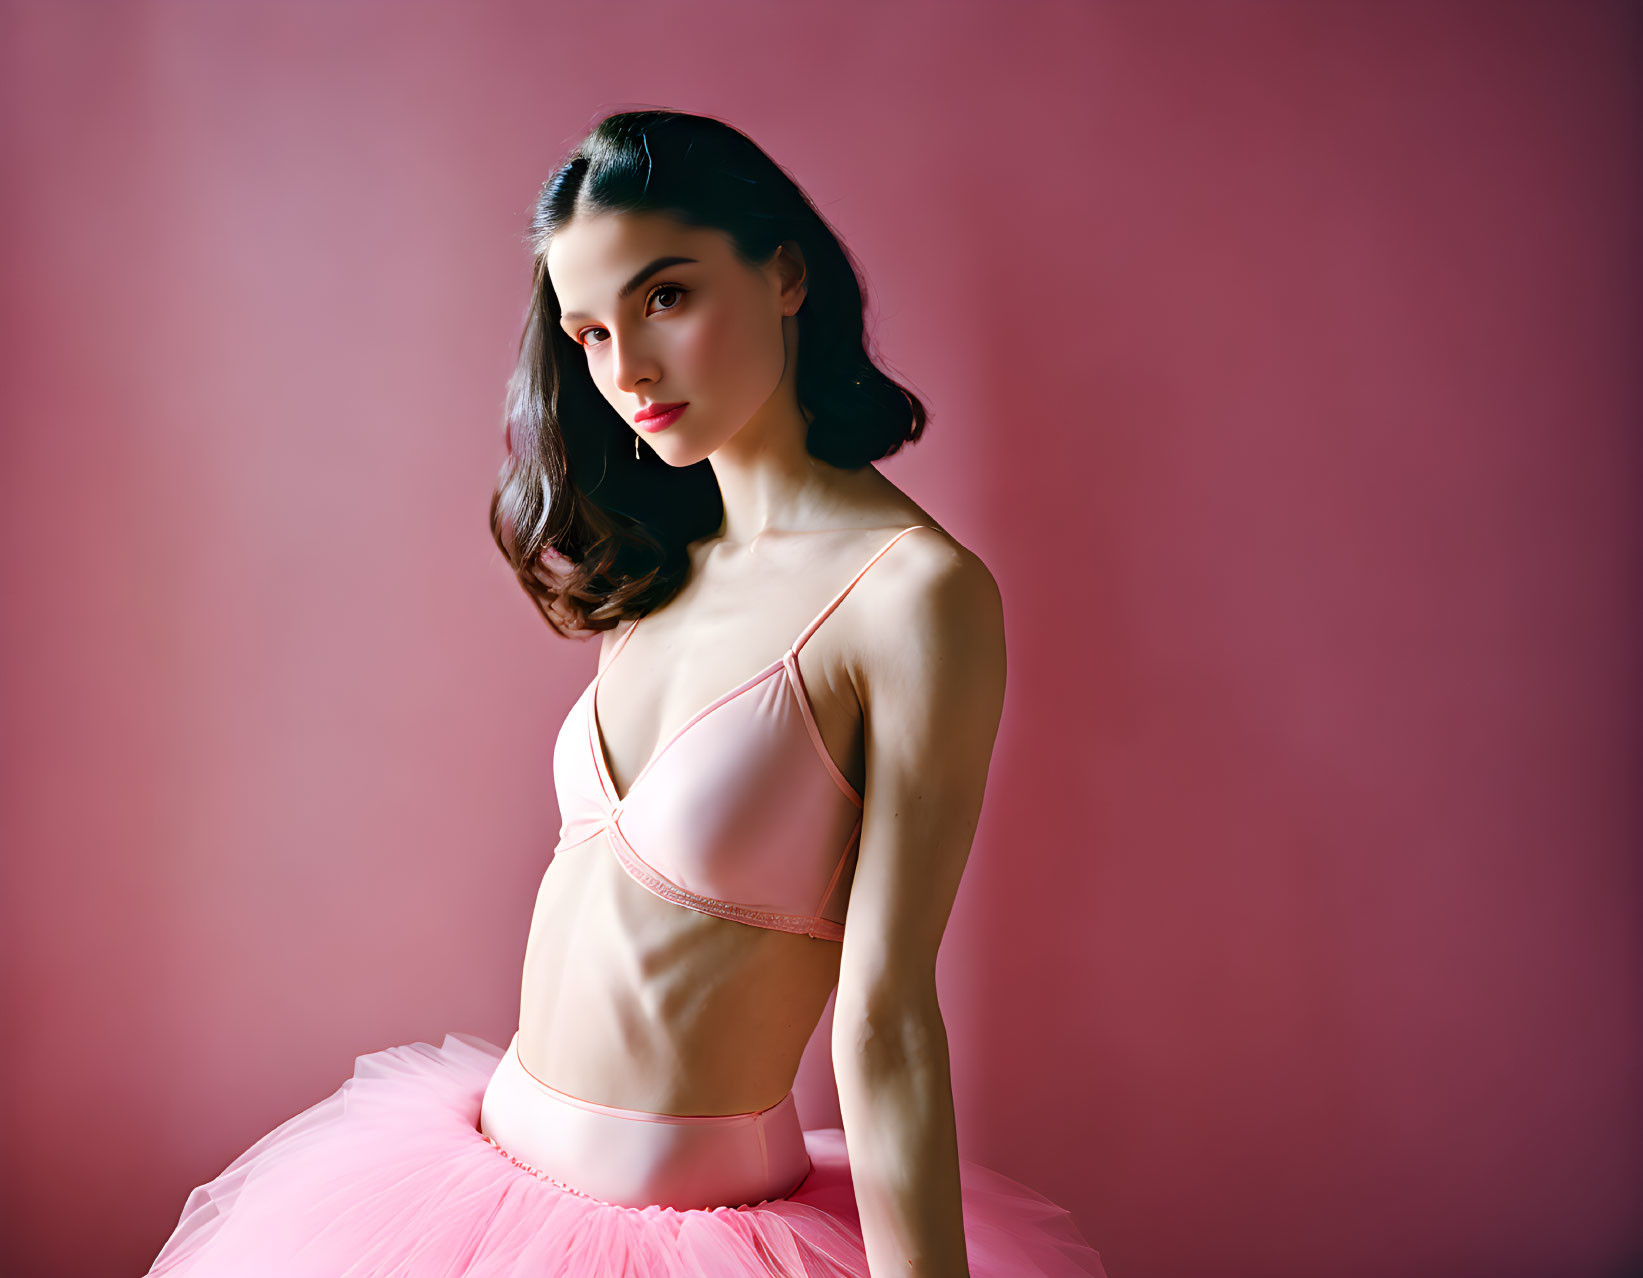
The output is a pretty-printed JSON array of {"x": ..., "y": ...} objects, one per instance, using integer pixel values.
[{"x": 741, "y": 813}]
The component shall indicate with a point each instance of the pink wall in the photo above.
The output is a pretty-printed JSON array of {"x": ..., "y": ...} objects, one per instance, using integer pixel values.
[{"x": 1283, "y": 361}]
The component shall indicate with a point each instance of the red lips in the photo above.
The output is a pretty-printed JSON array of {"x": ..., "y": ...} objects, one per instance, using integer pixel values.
[{"x": 656, "y": 410}]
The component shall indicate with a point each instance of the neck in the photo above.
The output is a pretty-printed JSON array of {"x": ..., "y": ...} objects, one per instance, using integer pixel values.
[
  {"x": 767, "y": 477},
  {"x": 769, "y": 481}
]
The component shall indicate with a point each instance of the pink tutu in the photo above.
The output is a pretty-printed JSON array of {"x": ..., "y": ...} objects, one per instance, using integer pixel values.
[{"x": 391, "y": 1175}]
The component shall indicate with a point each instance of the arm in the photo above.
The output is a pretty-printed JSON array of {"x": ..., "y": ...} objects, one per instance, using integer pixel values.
[{"x": 932, "y": 690}]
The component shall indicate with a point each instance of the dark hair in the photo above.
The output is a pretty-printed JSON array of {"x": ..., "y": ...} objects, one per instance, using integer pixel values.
[{"x": 593, "y": 534}]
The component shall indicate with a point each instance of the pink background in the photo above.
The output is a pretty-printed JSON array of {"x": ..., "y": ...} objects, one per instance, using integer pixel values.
[{"x": 1283, "y": 361}]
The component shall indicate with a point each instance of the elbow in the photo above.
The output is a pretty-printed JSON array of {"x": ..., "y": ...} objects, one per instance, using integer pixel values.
[{"x": 888, "y": 1031}]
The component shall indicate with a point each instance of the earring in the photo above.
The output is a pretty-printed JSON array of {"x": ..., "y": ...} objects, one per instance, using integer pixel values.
[{"x": 636, "y": 456}]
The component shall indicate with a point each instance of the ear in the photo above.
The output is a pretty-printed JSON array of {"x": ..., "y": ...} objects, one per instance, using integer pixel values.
[{"x": 791, "y": 268}]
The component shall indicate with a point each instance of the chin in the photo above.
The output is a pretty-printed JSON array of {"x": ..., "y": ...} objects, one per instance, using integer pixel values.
[
  {"x": 679, "y": 459},
  {"x": 682, "y": 450},
  {"x": 675, "y": 452}
]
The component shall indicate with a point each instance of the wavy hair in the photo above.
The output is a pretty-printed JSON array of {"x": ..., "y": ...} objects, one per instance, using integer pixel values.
[{"x": 593, "y": 534}]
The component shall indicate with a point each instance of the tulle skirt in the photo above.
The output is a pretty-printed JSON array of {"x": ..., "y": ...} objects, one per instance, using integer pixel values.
[{"x": 439, "y": 1162}]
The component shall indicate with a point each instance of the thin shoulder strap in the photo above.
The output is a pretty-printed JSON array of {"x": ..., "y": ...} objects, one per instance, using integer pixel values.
[
  {"x": 850, "y": 585},
  {"x": 616, "y": 648}
]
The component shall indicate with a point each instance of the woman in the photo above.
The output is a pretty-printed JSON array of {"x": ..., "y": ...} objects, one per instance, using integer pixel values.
[{"x": 803, "y": 723}]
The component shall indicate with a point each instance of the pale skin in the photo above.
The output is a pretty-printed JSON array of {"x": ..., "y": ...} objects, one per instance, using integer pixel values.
[{"x": 696, "y": 1014}]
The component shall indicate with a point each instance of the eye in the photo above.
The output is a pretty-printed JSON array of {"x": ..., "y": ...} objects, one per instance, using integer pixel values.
[{"x": 654, "y": 293}]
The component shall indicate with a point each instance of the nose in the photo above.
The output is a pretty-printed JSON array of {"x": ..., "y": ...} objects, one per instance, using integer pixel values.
[{"x": 631, "y": 363}]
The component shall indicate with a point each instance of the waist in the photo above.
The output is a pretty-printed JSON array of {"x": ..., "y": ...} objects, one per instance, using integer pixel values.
[{"x": 634, "y": 1158}]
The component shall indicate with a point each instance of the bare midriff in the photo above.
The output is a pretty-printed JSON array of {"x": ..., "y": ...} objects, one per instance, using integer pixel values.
[{"x": 630, "y": 1000}]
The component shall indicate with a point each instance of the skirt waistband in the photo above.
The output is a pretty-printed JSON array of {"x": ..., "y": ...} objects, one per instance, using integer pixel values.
[{"x": 634, "y": 1158}]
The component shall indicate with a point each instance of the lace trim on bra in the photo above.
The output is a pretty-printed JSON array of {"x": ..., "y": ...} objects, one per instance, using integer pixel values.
[{"x": 805, "y": 924}]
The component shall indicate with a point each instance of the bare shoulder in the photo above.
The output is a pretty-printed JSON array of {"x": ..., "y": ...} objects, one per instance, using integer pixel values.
[
  {"x": 934, "y": 603},
  {"x": 930, "y": 578},
  {"x": 941, "y": 566}
]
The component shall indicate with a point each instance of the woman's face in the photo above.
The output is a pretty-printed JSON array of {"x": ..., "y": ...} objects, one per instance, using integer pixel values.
[{"x": 707, "y": 332}]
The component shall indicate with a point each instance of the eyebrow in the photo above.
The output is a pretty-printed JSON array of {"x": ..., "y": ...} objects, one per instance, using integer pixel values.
[{"x": 627, "y": 290}]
